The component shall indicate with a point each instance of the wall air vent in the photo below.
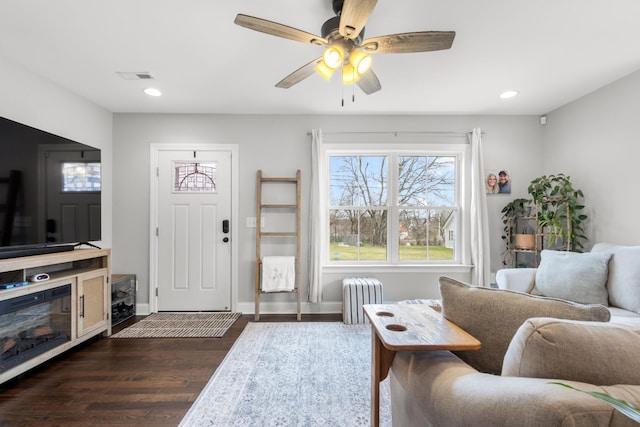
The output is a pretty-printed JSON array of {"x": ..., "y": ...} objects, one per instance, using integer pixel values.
[{"x": 132, "y": 75}]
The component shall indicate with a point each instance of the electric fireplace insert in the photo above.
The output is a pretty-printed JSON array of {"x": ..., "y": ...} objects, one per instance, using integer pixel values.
[{"x": 34, "y": 324}]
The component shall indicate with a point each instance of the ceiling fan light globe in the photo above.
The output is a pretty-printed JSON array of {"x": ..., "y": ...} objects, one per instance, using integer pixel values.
[
  {"x": 349, "y": 74},
  {"x": 324, "y": 70},
  {"x": 333, "y": 56},
  {"x": 361, "y": 61}
]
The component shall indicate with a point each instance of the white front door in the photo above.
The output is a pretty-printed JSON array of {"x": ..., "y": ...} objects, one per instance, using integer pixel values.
[{"x": 193, "y": 232}]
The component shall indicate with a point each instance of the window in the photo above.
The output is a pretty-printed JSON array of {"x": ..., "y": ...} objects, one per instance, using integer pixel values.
[
  {"x": 359, "y": 211},
  {"x": 81, "y": 177},
  {"x": 189, "y": 177},
  {"x": 393, "y": 207}
]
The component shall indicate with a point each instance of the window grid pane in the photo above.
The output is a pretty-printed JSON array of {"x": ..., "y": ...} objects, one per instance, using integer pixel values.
[
  {"x": 358, "y": 214},
  {"x": 358, "y": 234},
  {"x": 426, "y": 181},
  {"x": 426, "y": 235},
  {"x": 358, "y": 180}
]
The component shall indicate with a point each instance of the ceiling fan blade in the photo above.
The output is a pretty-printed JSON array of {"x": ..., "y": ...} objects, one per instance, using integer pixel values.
[
  {"x": 421, "y": 41},
  {"x": 369, "y": 82},
  {"x": 354, "y": 16},
  {"x": 278, "y": 30},
  {"x": 299, "y": 75}
]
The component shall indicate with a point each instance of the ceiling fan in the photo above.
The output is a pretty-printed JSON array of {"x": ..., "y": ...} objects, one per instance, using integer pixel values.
[{"x": 345, "y": 46}]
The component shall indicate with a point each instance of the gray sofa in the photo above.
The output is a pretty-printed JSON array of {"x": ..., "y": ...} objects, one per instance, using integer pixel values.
[
  {"x": 528, "y": 342},
  {"x": 621, "y": 283}
]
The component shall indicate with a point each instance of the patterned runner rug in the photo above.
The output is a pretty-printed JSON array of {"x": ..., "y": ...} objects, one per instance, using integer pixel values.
[
  {"x": 180, "y": 325},
  {"x": 292, "y": 374}
]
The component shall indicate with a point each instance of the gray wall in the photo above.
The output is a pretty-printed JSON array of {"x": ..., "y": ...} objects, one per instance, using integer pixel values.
[
  {"x": 280, "y": 145},
  {"x": 33, "y": 101},
  {"x": 596, "y": 141},
  {"x": 593, "y": 139}
]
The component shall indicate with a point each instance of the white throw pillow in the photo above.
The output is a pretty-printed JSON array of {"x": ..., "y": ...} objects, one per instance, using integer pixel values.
[
  {"x": 624, "y": 275},
  {"x": 577, "y": 277}
]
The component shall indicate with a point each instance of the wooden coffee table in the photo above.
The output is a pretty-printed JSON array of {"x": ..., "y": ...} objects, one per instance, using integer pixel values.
[{"x": 407, "y": 327}]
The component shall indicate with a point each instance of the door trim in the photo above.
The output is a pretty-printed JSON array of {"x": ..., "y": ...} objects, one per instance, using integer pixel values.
[{"x": 154, "y": 150}]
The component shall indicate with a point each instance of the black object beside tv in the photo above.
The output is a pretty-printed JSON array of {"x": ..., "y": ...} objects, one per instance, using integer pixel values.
[{"x": 50, "y": 192}]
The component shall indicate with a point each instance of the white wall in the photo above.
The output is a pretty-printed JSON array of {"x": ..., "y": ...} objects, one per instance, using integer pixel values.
[
  {"x": 593, "y": 139},
  {"x": 29, "y": 99},
  {"x": 280, "y": 145},
  {"x": 596, "y": 140}
]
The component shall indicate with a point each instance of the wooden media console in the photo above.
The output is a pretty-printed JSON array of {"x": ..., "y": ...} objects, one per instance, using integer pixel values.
[{"x": 44, "y": 319}]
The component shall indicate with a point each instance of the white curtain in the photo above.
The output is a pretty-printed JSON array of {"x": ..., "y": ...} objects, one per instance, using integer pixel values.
[
  {"x": 315, "y": 220},
  {"x": 480, "y": 252}
]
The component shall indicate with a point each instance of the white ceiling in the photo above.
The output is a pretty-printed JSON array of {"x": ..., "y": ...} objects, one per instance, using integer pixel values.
[{"x": 551, "y": 51}]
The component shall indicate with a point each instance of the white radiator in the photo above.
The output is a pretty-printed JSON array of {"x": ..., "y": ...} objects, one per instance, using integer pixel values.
[{"x": 357, "y": 291}]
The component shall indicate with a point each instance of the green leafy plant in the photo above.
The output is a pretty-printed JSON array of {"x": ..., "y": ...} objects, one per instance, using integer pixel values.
[
  {"x": 559, "y": 206},
  {"x": 619, "y": 404},
  {"x": 511, "y": 212}
]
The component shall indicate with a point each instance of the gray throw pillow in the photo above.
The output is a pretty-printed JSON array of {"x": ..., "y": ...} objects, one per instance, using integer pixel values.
[
  {"x": 589, "y": 352},
  {"x": 494, "y": 315},
  {"x": 578, "y": 277},
  {"x": 623, "y": 282}
]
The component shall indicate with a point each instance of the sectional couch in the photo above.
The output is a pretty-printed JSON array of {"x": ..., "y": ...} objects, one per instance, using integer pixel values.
[{"x": 532, "y": 337}]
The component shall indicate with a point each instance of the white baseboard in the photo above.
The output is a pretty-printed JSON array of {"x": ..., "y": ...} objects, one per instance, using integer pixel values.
[
  {"x": 142, "y": 309},
  {"x": 290, "y": 308}
]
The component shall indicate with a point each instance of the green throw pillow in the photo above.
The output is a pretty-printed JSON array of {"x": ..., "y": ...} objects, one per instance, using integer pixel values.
[
  {"x": 578, "y": 277},
  {"x": 494, "y": 315}
]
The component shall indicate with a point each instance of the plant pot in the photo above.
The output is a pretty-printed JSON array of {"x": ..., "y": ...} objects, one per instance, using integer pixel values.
[{"x": 525, "y": 241}]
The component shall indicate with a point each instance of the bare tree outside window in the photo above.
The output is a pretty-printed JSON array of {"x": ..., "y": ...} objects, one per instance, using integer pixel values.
[
  {"x": 426, "y": 193},
  {"x": 360, "y": 210},
  {"x": 359, "y": 186}
]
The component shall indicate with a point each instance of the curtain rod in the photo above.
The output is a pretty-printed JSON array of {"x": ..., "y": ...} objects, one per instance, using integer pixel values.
[{"x": 395, "y": 133}]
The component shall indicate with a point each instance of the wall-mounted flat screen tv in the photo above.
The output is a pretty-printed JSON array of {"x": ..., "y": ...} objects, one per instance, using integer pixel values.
[{"x": 50, "y": 191}]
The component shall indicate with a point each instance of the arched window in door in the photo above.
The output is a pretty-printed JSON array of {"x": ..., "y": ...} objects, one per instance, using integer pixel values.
[{"x": 194, "y": 176}]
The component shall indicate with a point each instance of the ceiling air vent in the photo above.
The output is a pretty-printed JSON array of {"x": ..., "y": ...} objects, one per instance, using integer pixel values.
[{"x": 141, "y": 75}]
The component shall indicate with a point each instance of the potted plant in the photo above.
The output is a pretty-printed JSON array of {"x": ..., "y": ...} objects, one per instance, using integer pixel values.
[
  {"x": 523, "y": 236},
  {"x": 559, "y": 205}
]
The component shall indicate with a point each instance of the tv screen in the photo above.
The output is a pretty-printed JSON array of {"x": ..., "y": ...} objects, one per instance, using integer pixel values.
[{"x": 49, "y": 190}]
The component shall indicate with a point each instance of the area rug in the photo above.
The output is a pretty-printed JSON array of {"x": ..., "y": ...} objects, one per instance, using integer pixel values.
[
  {"x": 292, "y": 374},
  {"x": 180, "y": 325}
]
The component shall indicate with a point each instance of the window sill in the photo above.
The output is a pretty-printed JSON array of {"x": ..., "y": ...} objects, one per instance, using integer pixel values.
[{"x": 397, "y": 268}]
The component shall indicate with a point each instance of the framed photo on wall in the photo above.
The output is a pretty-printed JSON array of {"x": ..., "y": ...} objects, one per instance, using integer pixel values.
[{"x": 497, "y": 181}]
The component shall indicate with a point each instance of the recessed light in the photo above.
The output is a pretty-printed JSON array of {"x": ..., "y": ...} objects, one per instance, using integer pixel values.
[
  {"x": 152, "y": 91},
  {"x": 508, "y": 94}
]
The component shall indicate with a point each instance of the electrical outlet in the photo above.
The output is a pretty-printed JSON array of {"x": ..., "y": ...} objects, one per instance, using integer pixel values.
[{"x": 251, "y": 222}]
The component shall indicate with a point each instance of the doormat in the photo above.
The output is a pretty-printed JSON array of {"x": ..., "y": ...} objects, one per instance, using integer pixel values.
[{"x": 181, "y": 325}]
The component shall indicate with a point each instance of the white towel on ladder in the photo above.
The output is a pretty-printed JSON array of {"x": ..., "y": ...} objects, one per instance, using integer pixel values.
[{"x": 278, "y": 273}]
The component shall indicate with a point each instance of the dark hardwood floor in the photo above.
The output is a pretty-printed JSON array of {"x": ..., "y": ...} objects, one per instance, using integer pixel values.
[{"x": 122, "y": 382}]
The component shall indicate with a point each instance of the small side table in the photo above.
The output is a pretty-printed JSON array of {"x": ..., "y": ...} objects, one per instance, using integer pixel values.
[{"x": 407, "y": 327}]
